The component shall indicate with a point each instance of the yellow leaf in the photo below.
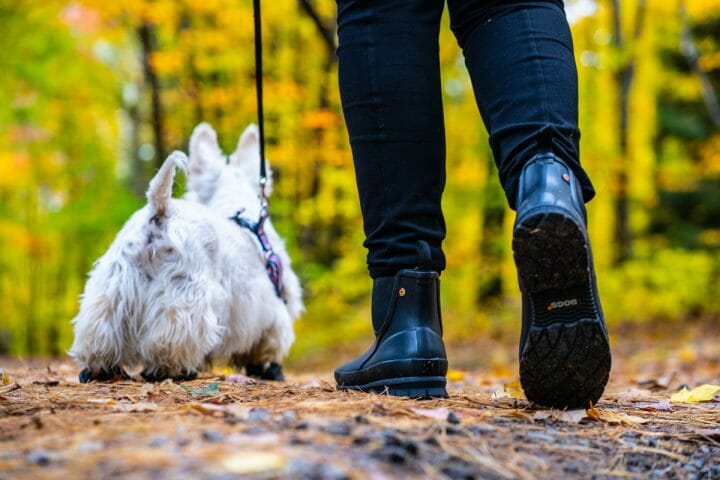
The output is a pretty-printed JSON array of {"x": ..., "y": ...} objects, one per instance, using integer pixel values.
[
  {"x": 254, "y": 462},
  {"x": 455, "y": 375},
  {"x": 703, "y": 393},
  {"x": 222, "y": 371},
  {"x": 5, "y": 378},
  {"x": 611, "y": 417},
  {"x": 514, "y": 389}
]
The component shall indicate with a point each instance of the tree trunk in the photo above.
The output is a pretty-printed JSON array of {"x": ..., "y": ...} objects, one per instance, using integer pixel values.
[
  {"x": 624, "y": 79},
  {"x": 146, "y": 34}
]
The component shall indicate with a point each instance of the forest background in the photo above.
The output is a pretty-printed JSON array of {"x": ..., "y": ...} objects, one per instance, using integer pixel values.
[{"x": 94, "y": 94}]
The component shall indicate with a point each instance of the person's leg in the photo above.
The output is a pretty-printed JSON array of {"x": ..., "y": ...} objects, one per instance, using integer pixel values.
[
  {"x": 389, "y": 76},
  {"x": 520, "y": 59}
]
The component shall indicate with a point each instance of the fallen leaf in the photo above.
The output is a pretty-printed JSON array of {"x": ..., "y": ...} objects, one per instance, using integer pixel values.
[
  {"x": 210, "y": 389},
  {"x": 47, "y": 382},
  {"x": 314, "y": 383},
  {"x": 703, "y": 393},
  {"x": 253, "y": 462},
  {"x": 147, "y": 389},
  {"x": 205, "y": 408},
  {"x": 10, "y": 388},
  {"x": 223, "y": 372},
  {"x": 230, "y": 410},
  {"x": 519, "y": 414},
  {"x": 612, "y": 417},
  {"x": 101, "y": 401},
  {"x": 440, "y": 413},
  {"x": 135, "y": 407},
  {"x": 514, "y": 389},
  {"x": 455, "y": 375},
  {"x": 239, "y": 379},
  {"x": 663, "y": 406},
  {"x": 6, "y": 378},
  {"x": 567, "y": 416}
]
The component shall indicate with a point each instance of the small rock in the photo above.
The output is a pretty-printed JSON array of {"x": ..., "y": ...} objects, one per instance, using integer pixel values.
[
  {"x": 432, "y": 441},
  {"x": 295, "y": 440},
  {"x": 232, "y": 420},
  {"x": 540, "y": 436},
  {"x": 302, "y": 426},
  {"x": 361, "y": 419},
  {"x": 411, "y": 446},
  {"x": 258, "y": 414},
  {"x": 39, "y": 457},
  {"x": 158, "y": 441},
  {"x": 453, "y": 418},
  {"x": 338, "y": 428},
  {"x": 359, "y": 441},
  {"x": 481, "y": 428},
  {"x": 391, "y": 454},
  {"x": 390, "y": 437},
  {"x": 452, "y": 429},
  {"x": 289, "y": 417},
  {"x": 90, "y": 447},
  {"x": 182, "y": 441},
  {"x": 302, "y": 468},
  {"x": 212, "y": 436}
]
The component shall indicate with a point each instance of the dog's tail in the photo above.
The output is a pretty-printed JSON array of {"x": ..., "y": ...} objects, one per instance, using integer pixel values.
[{"x": 160, "y": 190}]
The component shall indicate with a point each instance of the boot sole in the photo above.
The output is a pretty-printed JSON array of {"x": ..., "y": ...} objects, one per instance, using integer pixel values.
[
  {"x": 566, "y": 360},
  {"x": 413, "y": 387},
  {"x": 430, "y": 383}
]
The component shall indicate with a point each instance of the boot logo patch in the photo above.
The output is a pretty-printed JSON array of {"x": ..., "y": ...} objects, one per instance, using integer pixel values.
[{"x": 562, "y": 303}]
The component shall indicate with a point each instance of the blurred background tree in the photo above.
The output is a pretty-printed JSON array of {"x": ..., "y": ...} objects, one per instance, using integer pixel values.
[{"x": 94, "y": 94}]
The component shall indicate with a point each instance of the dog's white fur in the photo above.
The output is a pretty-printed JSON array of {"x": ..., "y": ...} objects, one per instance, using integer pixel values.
[{"x": 181, "y": 283}]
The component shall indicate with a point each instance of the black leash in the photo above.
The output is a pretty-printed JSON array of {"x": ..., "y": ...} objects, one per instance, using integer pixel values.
[
  {"x": 273, "y": 263},
  {"x": 259, "y": 93}
]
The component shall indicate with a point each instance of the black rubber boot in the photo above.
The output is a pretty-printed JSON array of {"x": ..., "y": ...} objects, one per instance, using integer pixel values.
[
  {"x": 564, "y": 347},
  {"x": 408, "y": 356}
]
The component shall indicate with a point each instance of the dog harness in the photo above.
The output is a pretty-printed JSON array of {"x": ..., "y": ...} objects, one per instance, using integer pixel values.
[{"x": 273, "y": 264}]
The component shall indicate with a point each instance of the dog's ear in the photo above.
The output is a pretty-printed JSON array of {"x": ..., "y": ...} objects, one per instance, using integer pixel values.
[
  {"x": 247, "y": 156},
  {"x": 205, "y": 153}
]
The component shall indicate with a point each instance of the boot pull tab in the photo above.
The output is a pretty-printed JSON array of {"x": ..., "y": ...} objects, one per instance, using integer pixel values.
[{"x": 424, "y": 258}]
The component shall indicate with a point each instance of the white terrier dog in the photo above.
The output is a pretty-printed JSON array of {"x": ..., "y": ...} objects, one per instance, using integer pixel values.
[{"x": 183, "y": 284}]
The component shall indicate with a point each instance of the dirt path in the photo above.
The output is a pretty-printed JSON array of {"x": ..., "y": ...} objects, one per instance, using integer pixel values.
[{"x": 219, "y": 427}]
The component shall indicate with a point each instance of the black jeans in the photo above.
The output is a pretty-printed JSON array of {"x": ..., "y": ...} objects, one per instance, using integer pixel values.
[{"x": 520, "y": 58}]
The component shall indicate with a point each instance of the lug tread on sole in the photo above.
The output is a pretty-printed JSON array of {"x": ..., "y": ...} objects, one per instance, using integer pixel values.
[
  {"x": 550, "y": 253},
  {"x": 566, "y": 359},
  {"x": 565, "y": 366}
]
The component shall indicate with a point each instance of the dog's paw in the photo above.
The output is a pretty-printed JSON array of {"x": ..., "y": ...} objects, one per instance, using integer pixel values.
[
  {"x": 158, "y": 375},
  {"x": 103, "y": 375},
  {"x": 185, "y": 375},
  {"x": 272, "y": 372}
]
